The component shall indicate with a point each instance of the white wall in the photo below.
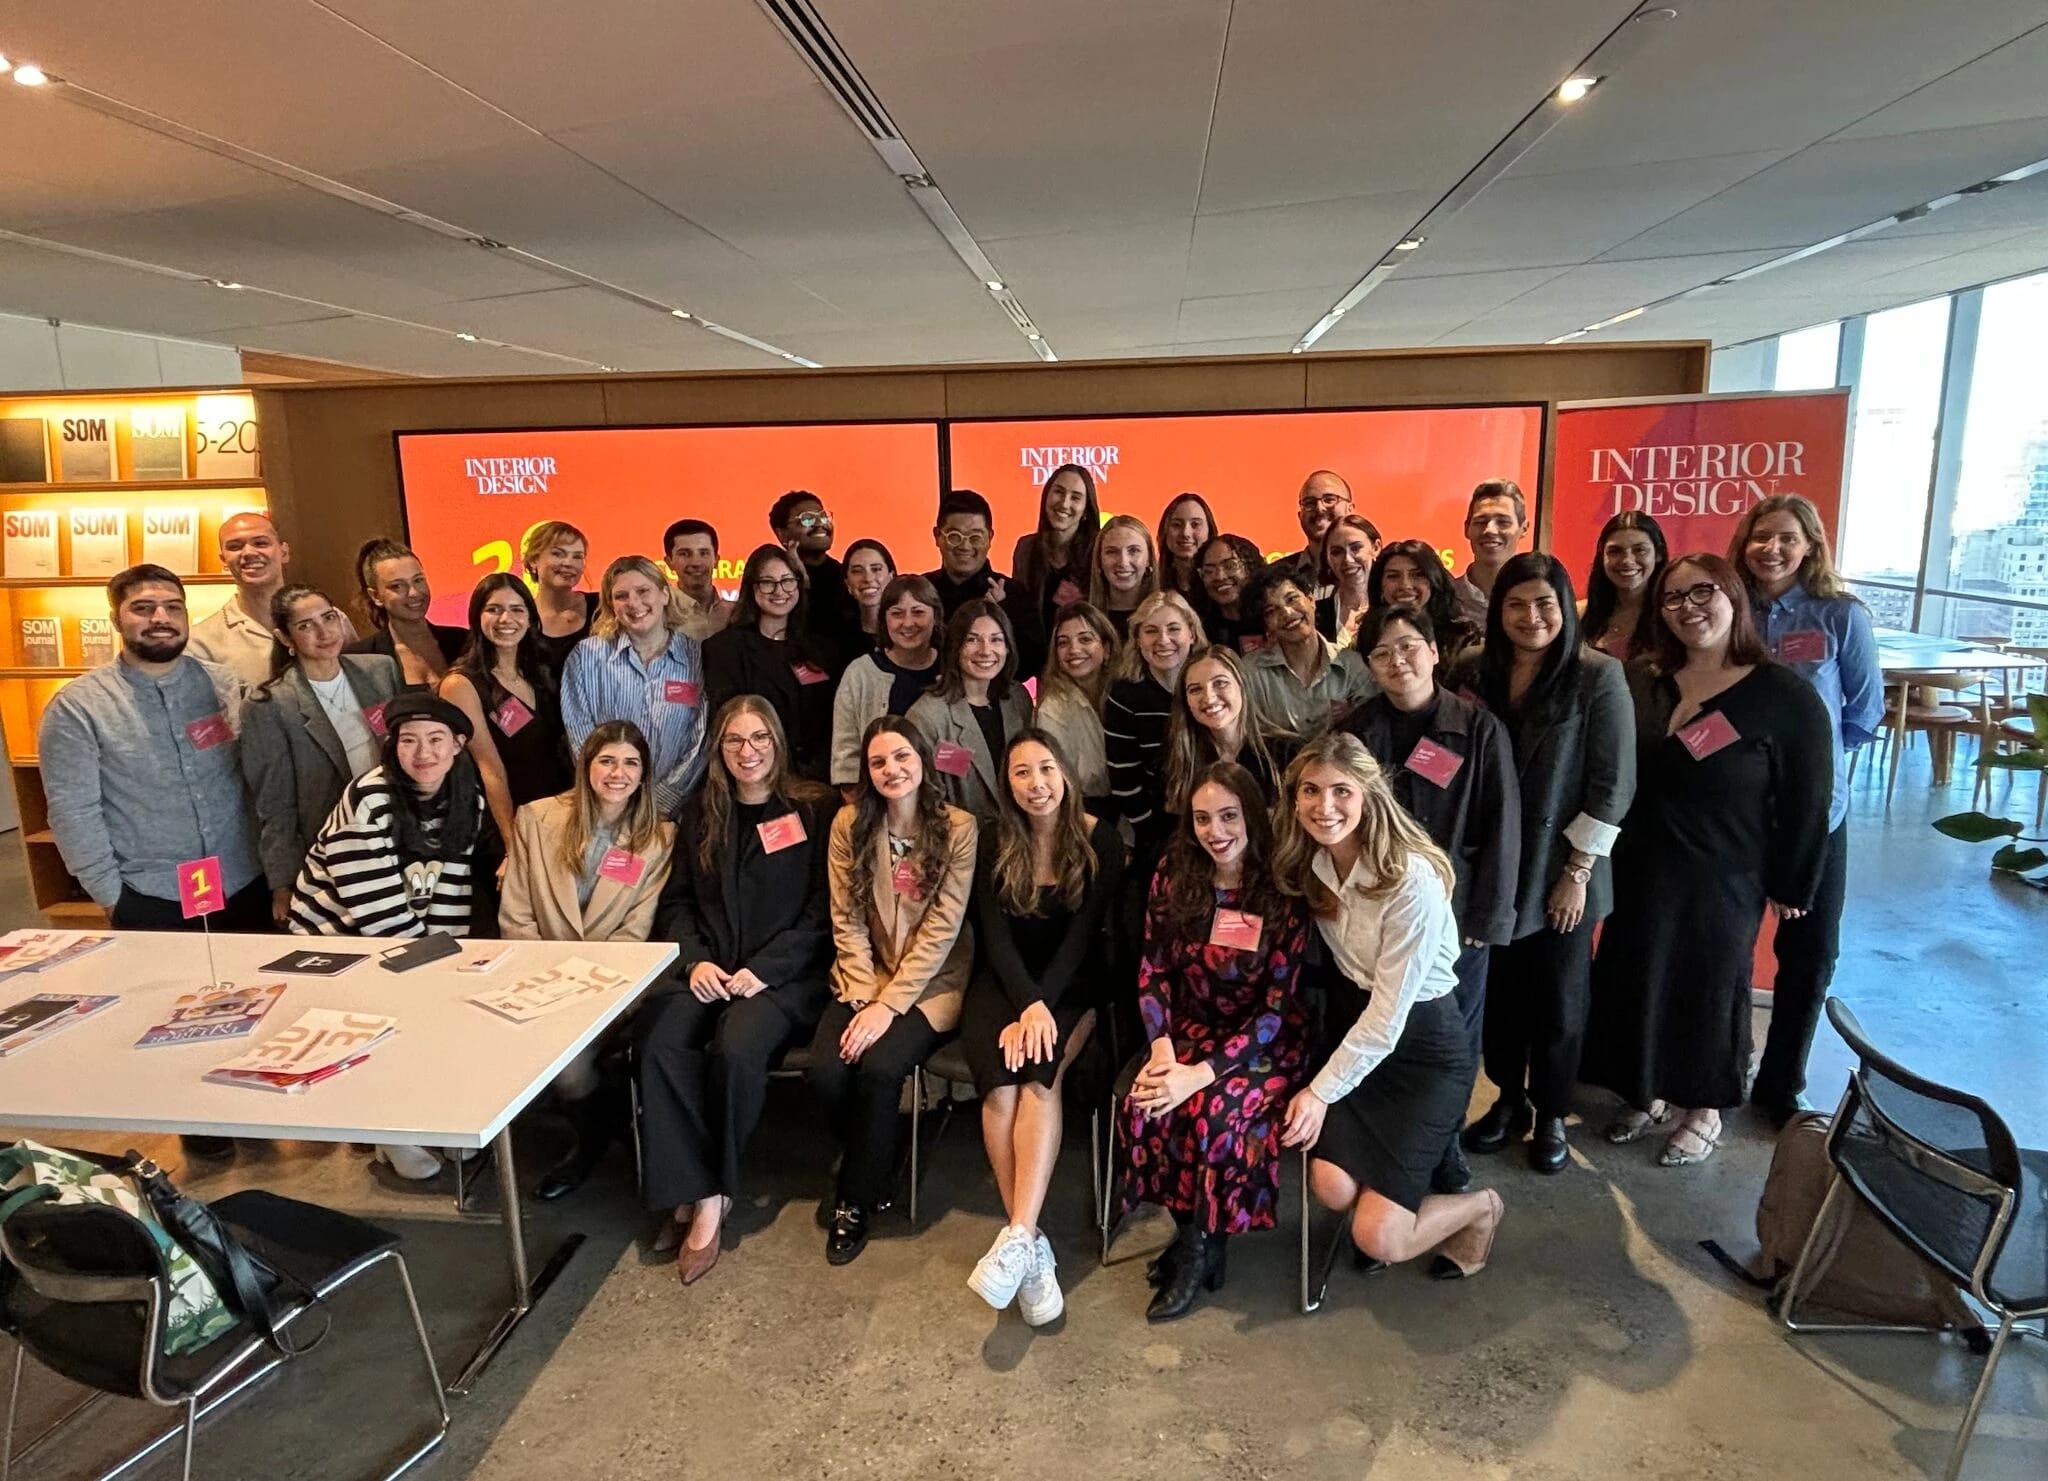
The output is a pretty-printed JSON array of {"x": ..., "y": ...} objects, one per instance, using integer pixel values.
[
  {"x": 36, "y": 355},
  {"x": 1744, "y": 367}
]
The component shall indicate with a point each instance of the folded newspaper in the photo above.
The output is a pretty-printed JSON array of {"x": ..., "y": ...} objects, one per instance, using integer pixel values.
[
  {"x": 550, "y": 991},
  {"x": 318, "y": 1046},
  {"x": 214, "y": 1013}
]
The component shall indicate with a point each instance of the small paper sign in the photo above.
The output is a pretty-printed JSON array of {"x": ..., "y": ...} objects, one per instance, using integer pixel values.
[
  {"x": 199, "y": 887},
  {"x": 780, "y": 833},
  {"x": 1250, "y": 643},
  {"x": 679, "y": 691},
  {"x": 1065, "y": 594},
  {"x": 1236, "y": 930},
  {"x": 809, "y": 673},
  {"x": 622, "y": 866},
  {"x": 512, "y": 716},
  {"x": 907, "y": 879},
  {"x": 1433, "y": 763},
  {"x": 210, "y": 732},
  {"x": 374, "y": 718},
  {"x": 1808, "y": 645},
  {"x": 1707, "y": 735},
  {"x": 953, "y": 759}
]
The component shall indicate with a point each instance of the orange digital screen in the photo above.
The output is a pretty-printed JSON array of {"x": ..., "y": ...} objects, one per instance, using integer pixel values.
[
  {"x": 471, "y": 496},
  {"x": 1410, "y": 472}
]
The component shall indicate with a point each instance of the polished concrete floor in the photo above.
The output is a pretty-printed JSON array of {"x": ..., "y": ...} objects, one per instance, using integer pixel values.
[{"x": 1602, "y": 1343}]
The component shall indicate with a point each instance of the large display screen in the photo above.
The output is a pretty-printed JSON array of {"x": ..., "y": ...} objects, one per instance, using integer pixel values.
[{"x": 471, "y": 496}]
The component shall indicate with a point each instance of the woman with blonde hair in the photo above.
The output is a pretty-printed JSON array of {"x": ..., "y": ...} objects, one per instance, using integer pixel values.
[
  {"x": 1379, "y": 1111},
  {"x": 588, "y": 865},
  {"x": 1070, "y": 694},
  {"x": 1123, "y": 571},
  {"x": 640, "y": 664},
  {"x": 1136, "y": 711},
  {"x": 1218, "y": 717},
  {"x": 554, "y": 553}
]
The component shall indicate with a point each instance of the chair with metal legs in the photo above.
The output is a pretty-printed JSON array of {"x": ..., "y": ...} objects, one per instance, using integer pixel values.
[
  {"x": 1315, "y": 1287},
  {"x": 1939, "y": 1168},
  {"x": 948, "y": 1064},
  {"x": 88, "y": 1293}
]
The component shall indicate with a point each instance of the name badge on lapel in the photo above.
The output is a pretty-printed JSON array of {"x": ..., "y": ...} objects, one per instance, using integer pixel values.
[
  {"x": 1433, "y": 763},
  {"x": 210, "y": 732},
  {"x": 512, "y": 716},
  {"x": 952, "y": 758},
  {"x": 780, "y": 833},
  {"x": 809, "y": 673},
  {"x": 679, "y": 691},
  {"x": 1808, "y": 645},
  {"x": 374, "y": 718},
  {"x": 1236, "y": 930},
  {"x": 625, "y": 867},
  {"x": 907, "y": 879},
  {"x": 1708, "y": 734}
]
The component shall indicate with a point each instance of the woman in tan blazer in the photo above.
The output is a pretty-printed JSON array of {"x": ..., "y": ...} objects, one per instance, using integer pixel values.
[
  {"x": 901, "y": 866},
  {"x": 588, "y": 866}
]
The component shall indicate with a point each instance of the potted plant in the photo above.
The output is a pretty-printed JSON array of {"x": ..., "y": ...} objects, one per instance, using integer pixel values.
[{"x": 2020, "y": 856}]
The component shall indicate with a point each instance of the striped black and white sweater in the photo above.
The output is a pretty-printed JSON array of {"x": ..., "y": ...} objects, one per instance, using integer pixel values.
[{"x": 355, "y": 883}]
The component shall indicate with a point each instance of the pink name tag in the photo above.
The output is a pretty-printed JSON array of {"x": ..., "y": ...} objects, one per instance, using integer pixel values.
[
  {"x": 1236, "y": 930},
  {"x": 1433, "y": 763},
  {"x": 624, "y": 867},
  {"x": 809, "y": 673},
  {"x": 679, "y": 691},
  {"x": 1707, "y": 735},
  {"x": 780, "y": 833},
  {"x": 1808, "y": 645},
  {"x": 210, "y": 732},
  {"x": 512, "y": 716},
  {"x": 1065, "y": 594},
  {"x": 374, "y": 718},
  {"x": 1250, "y": 643},
  {"x": 907, "y": 879},
  {"x": 953, "y": 760}
]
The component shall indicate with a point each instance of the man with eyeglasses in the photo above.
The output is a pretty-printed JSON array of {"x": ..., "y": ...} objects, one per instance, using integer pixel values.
[
  {"x": 1496, "y": 519},
  {"x": 804, "y": 526},
  {"x": 1324, "y": 498},
  {"x": 965, "y": 533}
]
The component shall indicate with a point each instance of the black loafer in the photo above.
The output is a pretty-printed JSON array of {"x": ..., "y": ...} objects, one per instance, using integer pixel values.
[
  {"x": 1549, "y": 1152},
  {"x": 1780, "y": 1112},
  {"x": 566, "y": 1176},
  {"x": 1453, "y": 1174},
  {"x": 848, "y": 1235},
  {"x": 1506, "y": 1120}
]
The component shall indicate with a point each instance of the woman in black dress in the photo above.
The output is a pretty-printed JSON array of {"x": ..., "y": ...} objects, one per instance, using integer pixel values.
[
  {"x": 768, "y": 649},
  {"x": 397, "y": 599},
  {"x": 554, "y": 553},
  {"x": 1734, "y": 765},
  {"x": 509, "y": 692},
  {"x": 1047, "y": 877}
]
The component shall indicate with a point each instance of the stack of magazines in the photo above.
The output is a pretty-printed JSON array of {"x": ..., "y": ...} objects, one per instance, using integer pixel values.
[
  {"x": 321, "y": 1044},
  {"x": 550, "y": 991},
  {"x": 32, "y": 951},
  {"x": 32, "y": 1020}
]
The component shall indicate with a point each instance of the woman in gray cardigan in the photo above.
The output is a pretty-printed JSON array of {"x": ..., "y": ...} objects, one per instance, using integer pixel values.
[
  {"x": 1568, "y": 713},
  {"x": 975, "y": 708},
  {"x": 314, "y": 728}
]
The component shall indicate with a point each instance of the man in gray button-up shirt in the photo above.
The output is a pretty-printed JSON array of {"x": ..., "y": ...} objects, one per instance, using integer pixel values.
[{"x": 139, "y": 765}]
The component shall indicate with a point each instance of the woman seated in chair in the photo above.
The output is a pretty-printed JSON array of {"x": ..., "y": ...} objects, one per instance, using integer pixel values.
[
  {"x": 1378, "y": 1112},
  {"x": 1048, "y": 874},
  {"x": 900, "y": 867},
  {"x": 1222, "y": 1007},
  {"x": 746, "y": 905},
  {"x": 588, "y": 865}
]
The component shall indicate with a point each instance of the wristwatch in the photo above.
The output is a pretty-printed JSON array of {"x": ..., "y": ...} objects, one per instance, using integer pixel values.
[{"x": 1578, "y": 869}]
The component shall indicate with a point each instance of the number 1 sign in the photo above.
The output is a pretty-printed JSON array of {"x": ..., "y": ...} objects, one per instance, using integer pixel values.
[{"x": 199, "y": 890}]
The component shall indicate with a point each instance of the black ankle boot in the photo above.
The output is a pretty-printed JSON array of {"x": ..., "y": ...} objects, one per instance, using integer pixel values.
[
  {"x": 591, "y": 1120},
  {"x": 1197, "y": 1266},
  {"x": 1548, "y": 1149},
  {"x": 1505, "y": 1121}
]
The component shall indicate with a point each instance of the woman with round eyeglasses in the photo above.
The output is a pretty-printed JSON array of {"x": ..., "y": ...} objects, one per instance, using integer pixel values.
[
  {"x": 1053, "y": 562},
  {"x": 1734, "y": 764},
  {"x": 1071, "y": 690},
  {"x": 1302, "y": 680},
  {"x": 1375, "y": 1117},
  {"x": 503, "y": 684},
  {"x": 768, "y": 649},
  {"x": 1815, "y": 625},
  {"x": 1409, "y": 573},
  {"x": 1224, "y": 567},
  {"x": 1048, "y": 875},
  {"x": 975, "y": 707},
  {"x": 1226, "y": 1024},
  {"x": 1125, "y": 571},
  {"x": 1619, "y": 618},
  {"x": 1450, "y": 764},
  {"x": 1218, "y": 719},
  {"x": 1350, "y": 546},
  {"x": 554, "y": 554},
  {"x": 1185, "y": 526},
  {"x": 1568, "y": 715},
  {"x": 749, "y": 910}
]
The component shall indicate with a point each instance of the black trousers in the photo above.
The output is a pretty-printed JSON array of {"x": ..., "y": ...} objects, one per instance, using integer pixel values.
[
  {"x": 1470, "y": 993},
  {"x": 1806, "y": 949},
  {"x": 1537, "y": 993},
  {"x": 703, "y": 1080},
  {"x": 860, "y": 1100},
  {"x": 247, "y": 911}
]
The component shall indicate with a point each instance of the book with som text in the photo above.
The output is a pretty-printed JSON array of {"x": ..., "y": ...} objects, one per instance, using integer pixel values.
[
  {"x": 28, "y": 544},
  {"x": 95, "y": 641},
  {"x": 85, "y": 447},
  {"x": 42, "y": 642},
  {"x": 170, "y": 538},
  {"x": 99, "y": 541},
  {"x": 156, "y": 442}
]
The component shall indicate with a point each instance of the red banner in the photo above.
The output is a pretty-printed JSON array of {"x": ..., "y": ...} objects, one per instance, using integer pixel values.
[{"x": 1694, "y": 463}]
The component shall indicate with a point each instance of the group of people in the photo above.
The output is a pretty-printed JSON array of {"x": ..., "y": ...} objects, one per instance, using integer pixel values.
[{"x": 1297, "y": 844}]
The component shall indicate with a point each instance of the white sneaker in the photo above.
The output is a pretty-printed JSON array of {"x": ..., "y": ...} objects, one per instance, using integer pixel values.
[
  {"x": 1038, "y": 1298},
  {"x": 414, "y": 1164},
  {"x": 998, "y": 1273}
]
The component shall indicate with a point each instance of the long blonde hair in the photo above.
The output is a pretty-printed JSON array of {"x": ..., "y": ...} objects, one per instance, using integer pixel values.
[
  {"x": 606, "y": 623},
  {"x": 1130, "y": 663},
  {"x": 1098, "y": 588},
  {"x": 641, "y": 823},
  {"x": 1387, "y": 834},
  {"x": 1817, "y": 572},
  {"x": 1015, "y": 875},
  {"x": 1189, "y": 744}
]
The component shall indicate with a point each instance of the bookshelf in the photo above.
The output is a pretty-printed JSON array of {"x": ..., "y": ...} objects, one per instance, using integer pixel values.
[{"x": 87, "y": 488}]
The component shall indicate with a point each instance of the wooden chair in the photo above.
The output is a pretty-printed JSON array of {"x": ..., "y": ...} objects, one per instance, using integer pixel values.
[{"x": 1912, "y": 704}]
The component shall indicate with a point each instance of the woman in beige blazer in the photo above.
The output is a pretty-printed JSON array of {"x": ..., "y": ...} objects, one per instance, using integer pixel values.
[
  {"x": 588, "y": 866},
  {"x": 974, "y": 708},
  {"x": 900, "y": 867}
]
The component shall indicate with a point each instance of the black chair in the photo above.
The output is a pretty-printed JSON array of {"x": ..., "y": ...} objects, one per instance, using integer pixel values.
[
  {"x": 88, "y": 1294},
  {"x": 1940, "y": 1169}
]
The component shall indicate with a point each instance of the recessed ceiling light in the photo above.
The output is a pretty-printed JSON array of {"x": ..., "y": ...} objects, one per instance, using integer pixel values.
[
  {"x": 994, "y": 286},
  {"x": 680, "y": 313},
  {"x": 1033, "y": 334},
  {"x": 1408, "y": 244},
  {"x": 465, "y": 336},
  {"x": 30, "y": 75},
  {"x": 224, "y": 283},
  {"x": 1575, "y": 88}
]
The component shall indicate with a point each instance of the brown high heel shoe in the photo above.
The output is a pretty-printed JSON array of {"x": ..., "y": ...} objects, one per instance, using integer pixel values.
[
  {"x": 668, "y": 1237},
  {"x": 1450, "y": 1267},
  {"x": 693, "y": 1263}
]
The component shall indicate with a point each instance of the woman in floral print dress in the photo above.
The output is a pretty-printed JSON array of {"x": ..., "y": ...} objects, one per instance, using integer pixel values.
[{"x": 1228, "y": 1027}]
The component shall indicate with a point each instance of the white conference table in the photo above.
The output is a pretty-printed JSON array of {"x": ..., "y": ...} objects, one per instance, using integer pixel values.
[{"x": 453, "y": 1075}]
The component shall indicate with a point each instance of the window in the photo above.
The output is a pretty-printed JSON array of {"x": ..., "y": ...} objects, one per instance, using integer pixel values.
[
  {"x": 1806, "y": 358},
  {"x": 1891, "y": 445}
]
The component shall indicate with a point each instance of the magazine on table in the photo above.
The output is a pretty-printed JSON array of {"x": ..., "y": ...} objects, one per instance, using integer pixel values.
[
  {"x": 45, "y": 1015},
  {"x": 213, "y": 1013},
  {"x": 550, "y": 991},
  {"x": 318, "y": 1045},
  {"x": 32, "y": 951}
]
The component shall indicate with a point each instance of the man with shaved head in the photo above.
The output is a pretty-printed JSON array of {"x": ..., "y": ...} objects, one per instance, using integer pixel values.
[
  {"x": 1325, "y": 498},
  {"x": 238, "y": 636}
]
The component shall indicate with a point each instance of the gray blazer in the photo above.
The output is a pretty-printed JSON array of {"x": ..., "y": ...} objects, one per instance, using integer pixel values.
[
  {"x": 953, "y": 720},
  {"x": 1581, "y": 764},
  {"x": 294, "y": 760}
]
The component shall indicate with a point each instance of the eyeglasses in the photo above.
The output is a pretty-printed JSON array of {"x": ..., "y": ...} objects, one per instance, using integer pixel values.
[
  {"x": 1701, "y": 595},
  {"x": 1231, "y": 567},
  {"x": 812, "y": 519},
  {"x": 778, "y": 584},
  {"x": 1325, "y": 501},
  {"x": 1406, "y": 649},
  {"x": 963, "y": 539},
  {"x": 760, "y": 741}
]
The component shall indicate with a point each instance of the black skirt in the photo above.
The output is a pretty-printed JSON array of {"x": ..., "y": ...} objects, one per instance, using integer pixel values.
[
  {"x": 1390, "y": 1132},
  {"x": 987, "y": 1012}
]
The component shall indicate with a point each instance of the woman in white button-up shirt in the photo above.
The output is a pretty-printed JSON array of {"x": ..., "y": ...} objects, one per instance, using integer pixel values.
[{"x": 1394, "y": 1090}]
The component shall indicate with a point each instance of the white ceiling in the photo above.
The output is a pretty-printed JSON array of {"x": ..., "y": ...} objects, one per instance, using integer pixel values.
[{"x": 1150, "y": 177}]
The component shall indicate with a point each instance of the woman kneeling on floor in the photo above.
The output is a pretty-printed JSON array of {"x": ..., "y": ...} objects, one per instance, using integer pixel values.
[
  {"x": 1377, "y": 1114},
  {"x": 1048, "y": 874}
]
